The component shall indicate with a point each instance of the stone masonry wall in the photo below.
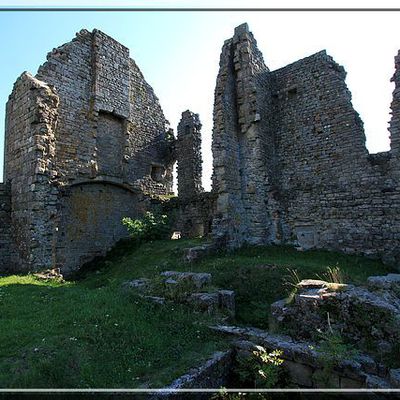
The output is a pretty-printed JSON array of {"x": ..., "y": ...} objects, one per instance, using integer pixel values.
[
  {"x": 188, "y": 154},
  {"x": 192, "y": 217},
  {"x": 290, "y": 162},
  {"x": 332, "y": 193},
  {"x": 88, "y": 117},
  {"x": 97, "y": 81},
  {"x": 5, "y": 228},
  {"x": 31, "y": 119},
  {"x": 239, "y": 150},
  {"x": 148, "y": 155},
  {"x": 87, "y": 227},
  {"x": 394, "y": 127}
]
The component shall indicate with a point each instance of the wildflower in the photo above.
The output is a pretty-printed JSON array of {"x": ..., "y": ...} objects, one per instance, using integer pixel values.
[{"x": 262, "y": 373}]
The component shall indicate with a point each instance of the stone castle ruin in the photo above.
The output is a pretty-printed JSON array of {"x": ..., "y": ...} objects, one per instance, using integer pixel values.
[
  {"x": 290, "y": 162},
  {"x": 87, "y": 143}
]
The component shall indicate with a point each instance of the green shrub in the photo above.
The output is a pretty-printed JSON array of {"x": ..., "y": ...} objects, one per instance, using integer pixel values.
[
  {"x": 261, "y": 369},
  {"x": 150, "y": 227}
]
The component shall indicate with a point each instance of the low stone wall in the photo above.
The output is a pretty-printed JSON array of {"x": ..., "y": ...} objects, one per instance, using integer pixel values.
[
  {"x": 192, "y": 216},
  {"x": 367, "y": 317},
  {"x": 214, "y": 373},
  {"x": 302, "y": 362},
  {"x": 5, "y": 226}
]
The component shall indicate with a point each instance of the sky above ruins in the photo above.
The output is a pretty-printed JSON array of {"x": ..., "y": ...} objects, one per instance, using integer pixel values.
[{"x": 178, "y": 53}]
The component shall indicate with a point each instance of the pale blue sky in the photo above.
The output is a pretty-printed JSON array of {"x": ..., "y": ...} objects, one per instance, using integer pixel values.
[{"x": 178, "y": 53}]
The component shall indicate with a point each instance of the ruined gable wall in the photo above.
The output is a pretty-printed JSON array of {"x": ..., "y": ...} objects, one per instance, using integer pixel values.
[
  {"x": 102, "y": 91},
  {"x": 104, "y": 109},
  {"x": 148, "y": 154},
  {"x": 68, "y": 69},
  {"x": 111, "y": 132},
  {"x": 332, "y": 193}
]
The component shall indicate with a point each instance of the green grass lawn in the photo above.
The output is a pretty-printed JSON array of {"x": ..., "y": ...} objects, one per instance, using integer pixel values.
[{"x": 89, "y": 332}]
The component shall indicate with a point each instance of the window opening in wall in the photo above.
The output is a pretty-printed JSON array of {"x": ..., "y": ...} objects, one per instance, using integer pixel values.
[
  {"x": 110, "y": 142},
  {"x": 292, "y": 92},
  {"x": 157, "y": 173}
]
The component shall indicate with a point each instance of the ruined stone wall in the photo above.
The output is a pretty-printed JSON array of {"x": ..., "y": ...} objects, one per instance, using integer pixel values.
[
  {"x": 31, "y": 118},
  {"x": 87, "y": 226},
  {"x": 239, "y": 151},
  {"x": 102, "y": 91},
  {"x": 290, "y": 162},
  {"x": 88, "y": 116},
  {"x": 192, "y": 217},
  {"x": 394, "y": 127},
  {"x": 332, "y": 193},
  {"x": 188, "y": 155},
  {"x": 5, "y": 228},
  {"x": 191, "y": 213},
  {"x": 148, "y": 154}
]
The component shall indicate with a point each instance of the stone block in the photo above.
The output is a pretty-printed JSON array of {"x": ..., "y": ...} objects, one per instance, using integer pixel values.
[
  {"x": 226, "y": 301},
  {"x": 196, "y": 253},
  {"x": 155, "y": 299},
  {"x": 394, "y": 378},
  {"x": 197, "y": 279},
  {"x": 387, "y": 282},
  {"x": 204, "y": 302},
  {"x": 299, "y": 373},
  {"x": 347, "y": 383},
  {"x": 376, "y": 382},
  {"x": 140, "y": 284}
]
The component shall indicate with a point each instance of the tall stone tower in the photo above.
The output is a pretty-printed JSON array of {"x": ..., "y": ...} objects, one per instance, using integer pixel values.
[{"x": 188, "y": 153}]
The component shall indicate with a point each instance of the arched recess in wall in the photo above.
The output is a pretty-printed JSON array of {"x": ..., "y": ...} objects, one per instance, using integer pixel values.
[{"x": 90, "y": 215}]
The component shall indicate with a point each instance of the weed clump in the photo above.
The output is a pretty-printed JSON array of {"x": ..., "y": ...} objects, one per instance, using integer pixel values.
[
  {"x": 262, "y": 369},
  {"x": 150, "y": 227}
]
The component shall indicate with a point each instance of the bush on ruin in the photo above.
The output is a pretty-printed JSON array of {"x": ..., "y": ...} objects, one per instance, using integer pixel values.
[{"x": 150, "y": 227}]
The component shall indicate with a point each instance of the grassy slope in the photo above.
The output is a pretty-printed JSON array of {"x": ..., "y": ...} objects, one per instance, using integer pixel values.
[{"x": 91, "y": 333}]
